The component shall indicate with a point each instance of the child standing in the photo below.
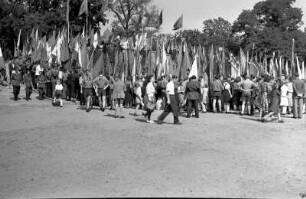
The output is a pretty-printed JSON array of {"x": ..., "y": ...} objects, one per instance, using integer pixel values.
[
  {"x": 58, "y": 93},
  {"x": 119, "y": 90},
  {"x": 284, "y": 99},
  {"x": 138, "y": 98},
  {"x": 204, "y": 98}
]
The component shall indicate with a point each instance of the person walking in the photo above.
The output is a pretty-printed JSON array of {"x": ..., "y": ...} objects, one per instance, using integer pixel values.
[
  {"x": 16, "y": 82},
  {"x": 149, "y": 98},
  {"x": 172, "y": 104},
  {"x": 86, "y": 89},
  {"x": 27, "y": 79},
  {"x": 193, "y": 92}
]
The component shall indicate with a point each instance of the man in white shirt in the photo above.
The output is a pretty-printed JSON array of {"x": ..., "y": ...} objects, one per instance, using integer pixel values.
[{"x": 172, "y": 104}]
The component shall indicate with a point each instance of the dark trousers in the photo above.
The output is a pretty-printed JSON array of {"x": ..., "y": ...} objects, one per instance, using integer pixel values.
[
  {"x": 49, "y": 89},
  {"x": 173, "y": 107},
  {"x": 41, "y": 92},
  {"x": 71, "y": 90},
  {"x": 192, "y": 104},
  {"x": 298, "y": 107},
  {"x": 16, "y": 90},
  {"x": 64, "y": 90},
  {"x": 28, "y": 92}
]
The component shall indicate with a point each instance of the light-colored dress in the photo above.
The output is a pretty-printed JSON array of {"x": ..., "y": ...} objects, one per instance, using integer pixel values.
[
  {"x": 289, "y": 95},
  {"x": 284, "y": 97}
]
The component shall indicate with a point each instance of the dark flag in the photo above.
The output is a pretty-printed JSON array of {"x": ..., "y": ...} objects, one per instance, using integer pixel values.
[
  {"x": 178, "y": 24},
  {"x": 160, "y": 19}
]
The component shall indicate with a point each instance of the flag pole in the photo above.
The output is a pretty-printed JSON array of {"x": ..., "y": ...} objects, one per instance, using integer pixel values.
[
  {"x": 68, "y": 24},
  {"x": 292, "y": 59}
]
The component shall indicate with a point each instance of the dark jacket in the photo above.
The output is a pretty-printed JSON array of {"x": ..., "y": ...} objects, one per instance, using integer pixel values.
[
  {"x": 298, "y": 88},
  {"x": 193, "y": 90},
  {"x": 16, "y": 79}
]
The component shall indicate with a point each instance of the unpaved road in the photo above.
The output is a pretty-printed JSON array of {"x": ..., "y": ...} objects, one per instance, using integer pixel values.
[{"x": 66, "y": 152}]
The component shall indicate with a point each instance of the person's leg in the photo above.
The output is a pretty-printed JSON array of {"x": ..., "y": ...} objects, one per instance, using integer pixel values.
[
  {"x": 88, "y": 101},
  {"x": 295, "y": 107},
  {"x": 196, "y": 107},
  {"x": 174, "y": 109},
  {"x": 220, "y": 104},
  {"x": 15, "y": 92},
  {"x": 189, "y": 108},
  {"x": 243, "y": 106},
  {"x": 249, "y": 106},
  {"x": 116, "y": 107},
  {"x": 121, "y": 107},
  {"x": 214, "y": 105},
  {"x": 300, "y": 109},
  {"x": 165, "y": 113},
  {"x": 149, "y": 112},
  {"x": 136, "y": 109},
  {"x": 103, "y": 102},
  {"x": 27, "y": 93}
]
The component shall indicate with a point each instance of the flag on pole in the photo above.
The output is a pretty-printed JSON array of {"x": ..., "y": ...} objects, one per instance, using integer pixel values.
[
  {"x": 243, "y": 62},
  {"x": 211, "y": 64},
  {"x": 84, "y": 8},
  {"x": 160, "y": 19},
  {"x": 2, "y": 65},
  {"x": 18, "y": 41},
  {"x": 178, "y": 24},
  {"x": 194, "y": 68}
]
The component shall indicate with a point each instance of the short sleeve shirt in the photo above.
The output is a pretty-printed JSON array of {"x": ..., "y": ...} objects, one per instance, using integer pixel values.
[{"x": 170, "y": 88}]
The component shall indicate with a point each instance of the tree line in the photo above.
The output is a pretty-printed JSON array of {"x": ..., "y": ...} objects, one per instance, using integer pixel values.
[{"x": 270, "y": 27}]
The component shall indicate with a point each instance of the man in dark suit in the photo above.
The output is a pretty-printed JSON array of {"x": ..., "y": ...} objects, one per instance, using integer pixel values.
[{"x": 193, "y": 92}]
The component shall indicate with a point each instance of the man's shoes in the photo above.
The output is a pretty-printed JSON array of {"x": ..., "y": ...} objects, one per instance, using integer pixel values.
[
  {"x": 88, "y": 110},
  {"x": 178, "y": 123},
  {"x": 122, "y": 117},
  {"x": 150, "y": 121},
  {"x": 188, "y": 116},
  {"x": 159, "y": 122}
]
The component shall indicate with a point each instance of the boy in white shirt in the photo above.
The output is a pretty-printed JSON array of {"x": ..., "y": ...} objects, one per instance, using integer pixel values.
[{"x": 58, "y": 92}]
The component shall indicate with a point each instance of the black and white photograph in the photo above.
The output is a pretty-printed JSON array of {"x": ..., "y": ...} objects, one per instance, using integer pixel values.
[{"x": 153, "y": 98}]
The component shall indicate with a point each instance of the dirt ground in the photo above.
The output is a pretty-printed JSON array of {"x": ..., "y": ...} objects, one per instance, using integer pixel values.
[{"x": 52, "y": 152}]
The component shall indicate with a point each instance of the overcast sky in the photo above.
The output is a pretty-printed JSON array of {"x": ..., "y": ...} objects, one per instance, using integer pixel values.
[{"x": 196, "y": 11}]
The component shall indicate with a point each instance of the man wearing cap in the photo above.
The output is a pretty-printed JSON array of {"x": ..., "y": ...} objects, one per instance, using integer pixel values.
[
  {"x": 16, "y": 81},
  {"x": 100, "y": 84},
  {"x": 193, "y": 92},
  {"x": 172, "y": 104}
]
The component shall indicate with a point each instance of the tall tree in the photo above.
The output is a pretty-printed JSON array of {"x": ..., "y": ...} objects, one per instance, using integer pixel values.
[
  {"x": 132, "y": 16},
  {"x": 217, "y": 31},
  {"x": 271, "y": 25}
]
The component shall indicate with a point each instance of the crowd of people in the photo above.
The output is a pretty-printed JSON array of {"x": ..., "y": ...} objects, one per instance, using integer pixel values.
[{"x": 242, "y": 95}]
